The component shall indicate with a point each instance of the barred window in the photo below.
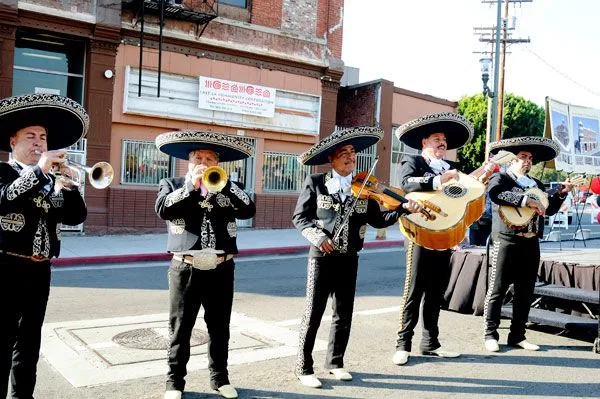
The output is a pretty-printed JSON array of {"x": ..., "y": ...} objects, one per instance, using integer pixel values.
[
  {"x": 365, "y": 159},
  {"x": 143, "y": 163},
  {"x": 283, "y": 172},
  {"x": 399, "y": 150}
]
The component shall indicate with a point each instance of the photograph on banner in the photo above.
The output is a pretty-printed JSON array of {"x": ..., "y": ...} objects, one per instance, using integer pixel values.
[{"x": 577, "y": 131}]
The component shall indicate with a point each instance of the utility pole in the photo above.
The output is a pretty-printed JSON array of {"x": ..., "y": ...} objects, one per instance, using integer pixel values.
[{"x": 497, "y": 117}]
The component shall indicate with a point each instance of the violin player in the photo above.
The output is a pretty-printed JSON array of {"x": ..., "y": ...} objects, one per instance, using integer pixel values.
[
  {"x": 427, "y": 270},
  {"x": 320, "y": 216}
]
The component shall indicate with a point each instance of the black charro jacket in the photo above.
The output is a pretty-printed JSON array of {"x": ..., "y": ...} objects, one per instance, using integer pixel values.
[
  {"x": 416, "y": 175},
  {"x": 196, "y": 222},
  {"x": 504, "y": 190},
  {"x": 319, "y": 214},
  {"x": 31, "y": 212}
]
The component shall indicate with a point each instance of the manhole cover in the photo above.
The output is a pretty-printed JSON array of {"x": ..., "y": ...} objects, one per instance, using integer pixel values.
[{"x": 154, "y": 338}]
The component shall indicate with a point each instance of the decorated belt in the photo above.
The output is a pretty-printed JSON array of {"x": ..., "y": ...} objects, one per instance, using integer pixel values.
[
  {"x": 33, "y": 258},
  {"x": 189, "y": 259}
]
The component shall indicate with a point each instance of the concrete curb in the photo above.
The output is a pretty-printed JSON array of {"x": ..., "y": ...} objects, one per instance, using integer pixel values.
[{"x": 164, "y": 256}]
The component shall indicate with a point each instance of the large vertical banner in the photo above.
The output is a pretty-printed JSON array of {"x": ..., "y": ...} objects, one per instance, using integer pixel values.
[{"x": 577, "y": 131}]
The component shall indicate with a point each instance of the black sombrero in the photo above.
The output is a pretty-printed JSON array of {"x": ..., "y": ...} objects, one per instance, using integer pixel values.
[
  {"x": 360, "y": 137},
  {"x": 458, "y": 130},
  {"x": 542, "y": 149},
  {"x": 65, "y": 120},
  {"x": 179, "y": 144}
]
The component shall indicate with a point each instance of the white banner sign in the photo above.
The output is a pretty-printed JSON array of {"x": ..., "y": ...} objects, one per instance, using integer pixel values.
[
  {"x": 577, "y": 131},
  {"x": 238, "y": 98}
]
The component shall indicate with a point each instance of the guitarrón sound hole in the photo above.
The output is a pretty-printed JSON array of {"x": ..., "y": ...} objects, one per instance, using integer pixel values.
[{"x": 455, "y": 191}]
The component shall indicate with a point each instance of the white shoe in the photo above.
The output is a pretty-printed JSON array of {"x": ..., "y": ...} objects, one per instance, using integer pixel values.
[
  {"x": 492, "y": 345},
  {"x": 400, "y": 358},
  {"x": 227, "y": 391},
  {"x": 527, "y": 346},
  {"x": 172, "y": 395},
  {"x": 310, "y": 381},
  {"x": 341, "y": 374},
  {"x": 439, "y": 352}
]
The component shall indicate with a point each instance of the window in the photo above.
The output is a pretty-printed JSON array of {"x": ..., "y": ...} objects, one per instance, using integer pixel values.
[
  {"x": 47, "y": 63},
  {"x": 236, "y": 3},
  {"x": 365, "y": 159},
  {"x": 399, "y": 149},
  {"x": 143, "y": 163},
  {"x": 283, "y": 173}
]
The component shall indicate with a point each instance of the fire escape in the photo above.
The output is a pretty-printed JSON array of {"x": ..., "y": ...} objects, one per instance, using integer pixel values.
[{"x": 199, "y": 12}]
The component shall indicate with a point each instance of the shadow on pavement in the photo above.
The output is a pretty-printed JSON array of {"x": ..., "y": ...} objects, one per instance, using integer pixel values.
[
  {"x": 468, "y": 385},
  {"x": 260, "y": 394}
]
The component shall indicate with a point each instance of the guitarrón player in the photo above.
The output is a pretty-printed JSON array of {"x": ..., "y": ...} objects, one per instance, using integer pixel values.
[
  {"x": 427, "y": 270},
  {"x": 515, "y": 253}
]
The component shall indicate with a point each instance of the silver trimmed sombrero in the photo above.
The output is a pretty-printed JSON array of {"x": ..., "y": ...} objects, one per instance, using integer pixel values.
[
  {"x": 458, "y": 129},
  {"x": 180, "y": 143},
  {"x": 65, "y": 120},
  {"x": 361, "y": 138},
  {"x": 541, "y": 148}
]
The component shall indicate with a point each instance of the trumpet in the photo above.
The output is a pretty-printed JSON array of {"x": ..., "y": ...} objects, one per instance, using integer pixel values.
[
  {"x": 214, "y": 179},
  {"x": 100, "y": 174}
]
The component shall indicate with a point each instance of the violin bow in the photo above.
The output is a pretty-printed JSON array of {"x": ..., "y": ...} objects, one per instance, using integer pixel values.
[{"x": 351, "y": 210}]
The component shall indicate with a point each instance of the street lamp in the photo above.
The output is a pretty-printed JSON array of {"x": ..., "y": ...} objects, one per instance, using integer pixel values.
[{"x": 486, "y": 64}]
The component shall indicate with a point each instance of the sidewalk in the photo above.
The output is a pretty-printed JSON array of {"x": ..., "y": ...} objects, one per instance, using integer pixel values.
[{"x": 79, "y": 249}]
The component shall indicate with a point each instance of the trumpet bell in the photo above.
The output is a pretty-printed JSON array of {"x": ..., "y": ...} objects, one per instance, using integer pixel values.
[
  {"x": 101, "y": 174},
  {"x": 214, "y": 179}
]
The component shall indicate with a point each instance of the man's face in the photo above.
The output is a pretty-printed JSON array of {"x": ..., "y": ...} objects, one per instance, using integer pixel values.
[
  {"x": 28, "y": 144},
  {"x": 206, "y": 158},
  {"x": 343, "y": 160},
  {"x": 522, "y": 165},
  {"x": 435, "y": 145}
]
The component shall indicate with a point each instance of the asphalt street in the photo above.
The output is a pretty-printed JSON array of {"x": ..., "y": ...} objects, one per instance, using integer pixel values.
[{"x": 89, "y": 304}]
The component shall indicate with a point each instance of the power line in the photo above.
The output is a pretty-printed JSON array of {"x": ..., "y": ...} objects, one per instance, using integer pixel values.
[{"x": 564, "y": 75}]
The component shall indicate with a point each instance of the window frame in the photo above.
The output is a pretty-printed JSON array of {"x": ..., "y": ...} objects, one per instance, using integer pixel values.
[{"x": 171, "y": 167}]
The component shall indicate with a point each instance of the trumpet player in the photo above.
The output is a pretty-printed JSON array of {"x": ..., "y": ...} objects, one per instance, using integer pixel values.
[
  {"x": 32, "y": 208},
  {"x": 200, "y": 210}
]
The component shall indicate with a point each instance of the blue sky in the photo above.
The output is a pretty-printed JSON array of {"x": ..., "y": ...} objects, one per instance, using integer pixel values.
[{"x": 427, "y": 46}]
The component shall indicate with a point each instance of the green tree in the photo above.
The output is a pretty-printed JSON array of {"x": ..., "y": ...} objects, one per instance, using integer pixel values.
[{"x": 521, "y": 118}]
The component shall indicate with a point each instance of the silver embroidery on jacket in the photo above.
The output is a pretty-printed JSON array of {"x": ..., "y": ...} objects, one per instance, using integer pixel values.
[
  {"x": 232, "y": 229},
  {"x": 177, "y": 196},
  {"x": 223, "y": 201},
  {"x": 41, "y": 240},
  {"x": 207, "y": 234},
  {"x": 511, "y": 197},
  {"x": 57, "y": 199},
  {"x": 177, "y": 226},
  {"x": 361, "y": 206},
  {"x": 240, "y": 194},
  {"x": 313, "y": 235},
  {"x": 12, "y": 222},
  {"x": 22, "y": 184}
]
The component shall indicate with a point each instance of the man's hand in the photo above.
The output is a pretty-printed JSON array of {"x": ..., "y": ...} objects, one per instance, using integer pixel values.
[
  {"x": 449, "y": 175},
  {"x": 565, "y": 187},
  {"x": 489, "y": 168},
  {"x": 326, "y": 246},
  {"x": 197, "y": 174},
  {"x": 51, "y": 158},
  {"x": 536, "y": 205},
  {"x": 412, "y": 206}
]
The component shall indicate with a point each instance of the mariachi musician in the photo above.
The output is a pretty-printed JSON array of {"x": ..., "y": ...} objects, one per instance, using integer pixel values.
[
  {"x": 427, "y": 270},
  {"x": 335, "y": 224},
  {"x": 515, "y": 253},
  {"x": 33, "y": 205},
  {"x": 201, "y": 209}
]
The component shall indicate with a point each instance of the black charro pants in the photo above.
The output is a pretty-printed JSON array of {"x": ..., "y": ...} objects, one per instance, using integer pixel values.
[
  {"x": 24, "y": 290},
  {"x": 333, "y": 276},
  {"x": 427, "y": 273},
  {"x": 513, "y": 260},
  {"x": 189, "y": 289}
]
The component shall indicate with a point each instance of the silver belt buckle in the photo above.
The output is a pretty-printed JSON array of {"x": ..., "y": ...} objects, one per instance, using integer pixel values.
[{"x": 204, "y": 261}]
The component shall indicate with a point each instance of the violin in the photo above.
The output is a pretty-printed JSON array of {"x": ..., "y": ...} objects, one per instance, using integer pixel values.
[{"x": 367, "y": 187}]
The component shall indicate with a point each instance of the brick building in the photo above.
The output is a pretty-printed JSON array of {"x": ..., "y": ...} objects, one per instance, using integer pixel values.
[{"x": 266, "y": 70}]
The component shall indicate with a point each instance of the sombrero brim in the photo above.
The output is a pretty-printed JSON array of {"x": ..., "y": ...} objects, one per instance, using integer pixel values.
[
  {"x": 65, "y": 120},
  {"x": 179, "y": 144},
  {"x": 457, "y": 129},
  {"x": 541, "y": 149},
  {"x": 360, "y": 138}
]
